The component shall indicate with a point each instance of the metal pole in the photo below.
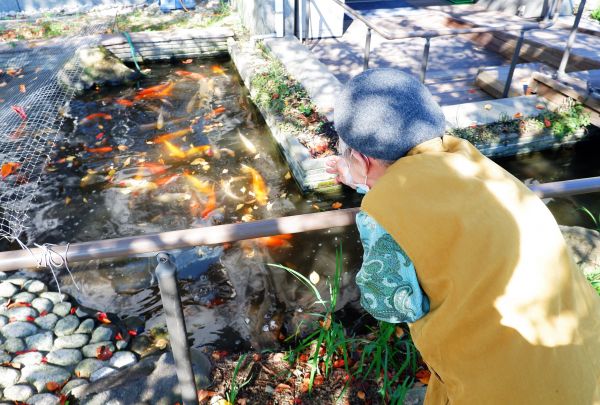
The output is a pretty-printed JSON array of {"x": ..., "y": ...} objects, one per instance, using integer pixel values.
[
  {"x": 169, "y": 294},
  {"x": 425, "y": 59},
  {"x": 301, "y": 19},
  {"x": 513, "y": 65},
  {"x": 570, "y": 41},
  {"x": 367, "y": 49},
  {"x": 566, "y": 188}
]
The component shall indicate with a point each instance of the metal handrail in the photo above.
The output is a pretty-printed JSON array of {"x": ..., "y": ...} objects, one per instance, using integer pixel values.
[
  {"x": 545, "y": 23},
  {"x": 125, "y": 247}
]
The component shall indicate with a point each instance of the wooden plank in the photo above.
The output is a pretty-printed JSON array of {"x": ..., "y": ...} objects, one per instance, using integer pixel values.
[{"x": 161, "y": 36}]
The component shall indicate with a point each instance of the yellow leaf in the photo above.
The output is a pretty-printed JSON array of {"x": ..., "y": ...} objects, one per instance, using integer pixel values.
[
  {"x": 122, "y": 148},
  {"x": 336, "y": 205},
  {"x": 67, "y": 200}
]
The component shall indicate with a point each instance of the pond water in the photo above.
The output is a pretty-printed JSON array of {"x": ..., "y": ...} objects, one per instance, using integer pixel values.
[{"x": 133, "y": 163}]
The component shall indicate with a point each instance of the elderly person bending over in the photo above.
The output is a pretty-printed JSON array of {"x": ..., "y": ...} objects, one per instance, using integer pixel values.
[{"x": 465, "y": 253}]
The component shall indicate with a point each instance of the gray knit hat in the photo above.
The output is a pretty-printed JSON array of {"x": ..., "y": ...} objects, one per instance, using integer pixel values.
[{"x": 384, "y": 113}]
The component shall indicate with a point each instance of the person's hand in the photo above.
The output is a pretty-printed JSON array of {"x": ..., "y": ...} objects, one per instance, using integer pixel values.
[{"x": 338, "y": 166}]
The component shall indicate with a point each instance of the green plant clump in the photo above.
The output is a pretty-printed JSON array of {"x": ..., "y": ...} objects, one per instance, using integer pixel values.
[
  {"x": 595, "y": 14},
  {"x": 567, "y": 120},
  {"x": 382, "y": 356}
]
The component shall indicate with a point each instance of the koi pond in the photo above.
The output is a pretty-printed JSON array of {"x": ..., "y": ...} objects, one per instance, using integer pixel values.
[{"x": 185, "y": 147}]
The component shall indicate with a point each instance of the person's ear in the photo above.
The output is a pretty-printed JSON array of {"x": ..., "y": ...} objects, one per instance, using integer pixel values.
[{"x": 362, "y": 161}]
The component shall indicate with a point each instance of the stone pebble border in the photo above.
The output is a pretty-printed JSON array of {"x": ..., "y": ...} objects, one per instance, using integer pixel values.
[{"x": 50, "y": 346}]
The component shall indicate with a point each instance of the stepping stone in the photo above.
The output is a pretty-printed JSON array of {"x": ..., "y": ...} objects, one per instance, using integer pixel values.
[
  {"x": 64, "y": 357},
  {"x": 7, "y": 289},
  {"x": 103, "y": 333},
  {"x": 62, "y": 308},
  {"x": 78, "y": 382},
  {"x": 38, "y": 376},
  {"x": 43, "y": 399},
  {"x": 18, "y": 329},
  {"x": 87, "y": 326},
  {"x": 66, "y": 326},
  {"x": 13, "y": 345},
  {"x": 35, "y": 286},
  {"x": 54, "y": 296},
  {"x": 8, "y": 376},
  {"x": 122, "y": 359},
  {"x": 19, "y": 392},
  {"x": 24, "y": 297},
  {"x": 47, "y": 322},
  {"x": 22, "y": 314},
  {"x": 91, "y": 350},
  {"x": 74, "y": 341},
  {"x": 42, "y": 304},
  {"x": 87, "y": 367},
  {"x": 42, "y": 341},
  {"x": 28, "y": 359}
]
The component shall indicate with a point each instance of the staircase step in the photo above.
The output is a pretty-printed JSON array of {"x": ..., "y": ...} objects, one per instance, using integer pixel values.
[
  {"x": 492, "y": 79},
  {"x": 490, "y": 111}
]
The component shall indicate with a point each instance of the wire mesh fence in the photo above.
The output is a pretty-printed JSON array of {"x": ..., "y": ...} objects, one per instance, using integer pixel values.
[{"x": 34, "y": 97}]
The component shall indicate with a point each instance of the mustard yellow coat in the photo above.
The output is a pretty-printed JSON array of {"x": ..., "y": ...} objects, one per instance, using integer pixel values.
[{"x": 512, "y": 320}]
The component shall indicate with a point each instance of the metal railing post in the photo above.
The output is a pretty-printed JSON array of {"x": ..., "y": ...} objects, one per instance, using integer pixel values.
[
  {"x": 513, "y": 65},
  {"x": 169, "y": 294},
  {"x": 367, "y": 50},
  {"x": 300, "y": 20},
  {"x": 425, "y": 59},
  {"x": 565, "y": 59}
]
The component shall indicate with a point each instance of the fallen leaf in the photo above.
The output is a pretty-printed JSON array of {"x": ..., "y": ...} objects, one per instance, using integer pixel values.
[
  {"x": 423, "y": 376},
  {"x": 518, "y": 115},
  {"x": 187, "y": 61},
  {"x": 472, "y": 91},
  {"x": 361, "y": 395},
  {"x": 399, "y": 332},
  {"x": 122, "y": 148},
  {"x": 52, "y": 386},
  {"x": 67, "y": 200},
  {"x": 22, "y": 88},
  {"x": 336, "y": 205},
  {"x": 487, "y": 107},
  {"x": 9, "y": 168},
  {"x": 203, "y": 394},
  {"x": 547, "y": 123},
  {"x": 103, "y": 353},
  {"x": 339, "y": 363},
  {"x": 20, "y": 110},
  {"x": 473, "y": 125},
  {"x": 540, "y": 106},
  {"x": 282, "y": 387}
]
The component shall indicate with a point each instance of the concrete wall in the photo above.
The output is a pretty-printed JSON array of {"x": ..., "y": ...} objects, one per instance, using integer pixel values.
[
  {"x": 32, "y": 6},
  {"x": 257, "y": 16}
]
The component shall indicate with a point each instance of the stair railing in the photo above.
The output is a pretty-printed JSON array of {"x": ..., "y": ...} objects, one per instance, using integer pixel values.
[{"x": 548, "y": 21}]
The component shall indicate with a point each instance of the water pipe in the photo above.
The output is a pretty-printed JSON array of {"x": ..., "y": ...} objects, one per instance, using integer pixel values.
[{"x": 132, "y": 49}]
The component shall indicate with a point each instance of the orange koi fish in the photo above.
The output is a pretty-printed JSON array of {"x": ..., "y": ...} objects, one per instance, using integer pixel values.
[
  {"x": 9, "y": 168},
  {"x": 94, "y": 117},
  {"x": 211, "y": 203},
  {"x": 198, "y": 185},
  {"x": 168, "y": 179},
  {"x": 275, "y": 241},
  {"x": 190, "y": 75},
  {"x": 261, "y": 191},
  {"x": 217, "y": 70},
  {"x": 196, "y": 150},
  {"x": 166, "y": 91},
  {"x": 173, "y": 150},
  {"x": 153, "y": 89},
  {"x": 217, "y": 111},
  {"x": 103, "y": 149},
  {"x": 172, "y": 135},
  {"x": 154, "y": 168},
  {"x": 124, "y": 102}
]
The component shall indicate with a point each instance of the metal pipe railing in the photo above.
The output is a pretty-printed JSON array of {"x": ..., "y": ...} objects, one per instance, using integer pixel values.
[
  {"x": 128, "y": 246},
  {"x": 545, "y": 23},
  {"x": 565, "y": 59}
]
